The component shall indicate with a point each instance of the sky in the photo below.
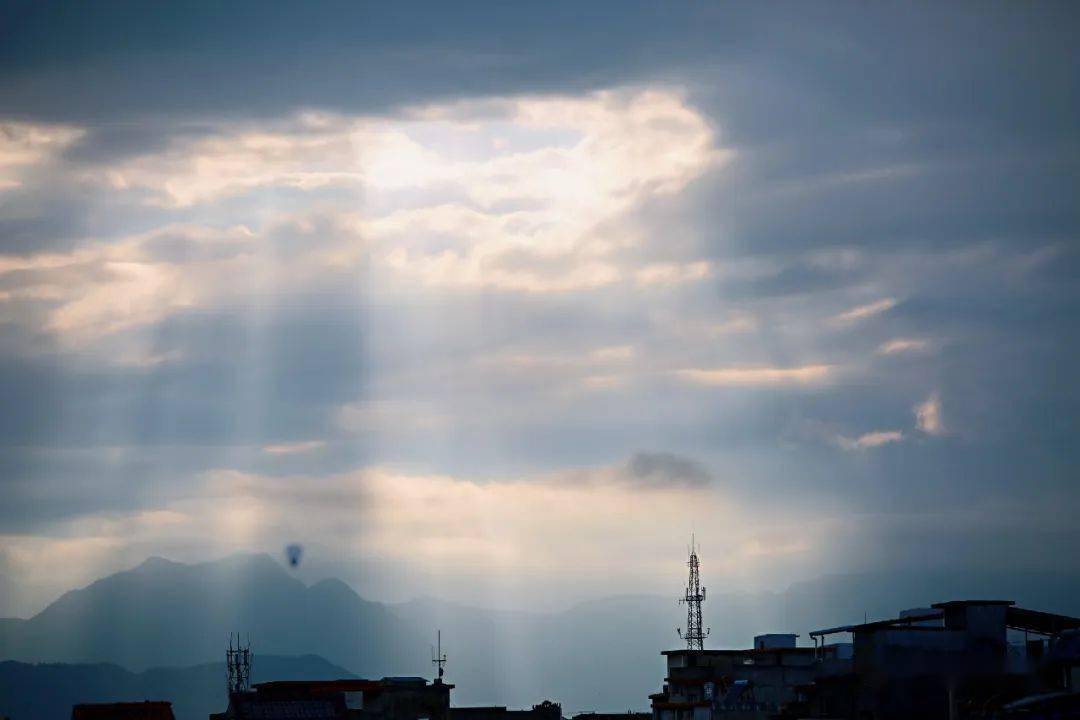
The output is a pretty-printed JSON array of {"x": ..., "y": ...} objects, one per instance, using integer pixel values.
[{"x": 501, "y": 302}]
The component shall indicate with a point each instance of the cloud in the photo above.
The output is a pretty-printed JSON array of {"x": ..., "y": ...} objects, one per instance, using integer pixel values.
[
  {"x": 523, "y": 194},
  {"x": 928, "y": 416},
  {"x": 864, "y": 312},
  {"x": 900, "y": 346},
  {"x": 673, "y": 273},
  {"x": 874, "y": 439},
  {"x": 442, "y": 524},
  {"x": 554, "y": 219},
  {"x": 294, "y": 448},
  {"x": 761, "y": 376},
  {"x": 25, "y": 147},
  {"x": 475, "y": 263},
  {"x": 666, "y": 470},
  {"x": 436, "y": 202},
  {"x": 372, "y": 415},
  {"x": 105, "y": 287}
]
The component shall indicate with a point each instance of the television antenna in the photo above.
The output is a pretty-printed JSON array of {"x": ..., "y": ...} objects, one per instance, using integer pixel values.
[{"x": 438, "y": 657}]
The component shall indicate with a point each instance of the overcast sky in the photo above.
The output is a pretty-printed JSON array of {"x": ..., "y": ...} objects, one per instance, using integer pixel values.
[{"x": 500, "y": 302}]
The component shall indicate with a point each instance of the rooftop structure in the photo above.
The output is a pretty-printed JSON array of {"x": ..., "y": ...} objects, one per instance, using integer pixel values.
[
  {"x": 713, "y": 684},
  {"x": 146, "y": 710},
  {"x": 545, "y": 710},
  {"x": 772, "y": 641},
  {"x": 391, "y": 698},
  {"x": 953, "y": 659},
  {"x": 628, "y": 715}
]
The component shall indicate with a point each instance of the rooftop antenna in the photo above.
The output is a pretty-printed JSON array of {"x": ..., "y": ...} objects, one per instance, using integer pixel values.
[
  {"x": 694, "y": 596},
  {"x": 238, "y": 665},
  {"x": 438, "y": 657}
]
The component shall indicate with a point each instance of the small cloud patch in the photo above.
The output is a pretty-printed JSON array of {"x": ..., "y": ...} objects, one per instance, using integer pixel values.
[
  {"x": 294, "y": 448},
  {"x": 666, "y": 470},
  {"x": 757, "y": 376},
  {"x": 928, "y": 416},
  {"x": 901, "y": 346},
  {"x": 864, "y": 312},
  {"x": 875, "y": 439}
]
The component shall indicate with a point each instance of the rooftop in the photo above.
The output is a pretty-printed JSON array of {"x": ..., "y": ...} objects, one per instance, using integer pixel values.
[
  {"x": 343, "y": 685},
  {"x": 145, "y": 710},
  {"x": 1015, "y": 617},
  {"x": 966, "y": 603}
]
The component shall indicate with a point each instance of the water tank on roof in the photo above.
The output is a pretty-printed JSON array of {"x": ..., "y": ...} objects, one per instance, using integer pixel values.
[{"x": 771, "y": 641}]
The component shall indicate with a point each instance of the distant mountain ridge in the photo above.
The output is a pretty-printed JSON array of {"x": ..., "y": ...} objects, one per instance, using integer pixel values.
[
  {"x": 47, "y": 692},
  {"x": 598, "y": 655},
  {"x": 168, "y": 612}
]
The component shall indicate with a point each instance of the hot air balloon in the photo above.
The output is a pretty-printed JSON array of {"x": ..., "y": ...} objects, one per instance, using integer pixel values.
[{"x": 293, "y": 552}]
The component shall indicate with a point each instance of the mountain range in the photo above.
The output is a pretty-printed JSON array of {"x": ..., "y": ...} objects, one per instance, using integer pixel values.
[
  {"x": 47, "y": 691},
  {"x": 599, "y": 655}
]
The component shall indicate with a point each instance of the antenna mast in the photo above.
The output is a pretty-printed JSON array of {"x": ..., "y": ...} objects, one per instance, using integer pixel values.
[
  {"x": 438, "y": 657},
  {"x": 694, "y": 596},
  {"x": 238, "y": 665}
]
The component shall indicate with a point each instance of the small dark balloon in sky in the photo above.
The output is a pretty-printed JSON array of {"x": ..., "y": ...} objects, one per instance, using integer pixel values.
[{"x": 294, "y": 552}]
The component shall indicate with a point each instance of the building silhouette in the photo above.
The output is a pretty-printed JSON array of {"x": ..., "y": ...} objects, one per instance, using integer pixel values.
[
  {"x": 146, "y": 710},
  {"x": 956, "y": 660},
  {"x": 391, "y": 698}
]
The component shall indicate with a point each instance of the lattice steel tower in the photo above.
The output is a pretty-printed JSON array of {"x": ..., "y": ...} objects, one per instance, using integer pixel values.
[
  {"x": 694, "y": 596},
  {"x": 238, "y": 665}
]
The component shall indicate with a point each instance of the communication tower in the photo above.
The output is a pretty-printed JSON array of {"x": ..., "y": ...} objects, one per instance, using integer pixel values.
[
  {"x": 692, "y": 598},
  {"x": 238, "y": 665}
]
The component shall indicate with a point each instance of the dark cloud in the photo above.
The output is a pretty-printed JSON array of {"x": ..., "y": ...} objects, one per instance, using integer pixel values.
[
  {"x": 65, "y": 61},
  {"x": 666, "y": 470}
]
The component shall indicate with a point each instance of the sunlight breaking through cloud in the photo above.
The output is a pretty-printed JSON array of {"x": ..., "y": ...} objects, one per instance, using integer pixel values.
[{"x": 524, "y": 195}]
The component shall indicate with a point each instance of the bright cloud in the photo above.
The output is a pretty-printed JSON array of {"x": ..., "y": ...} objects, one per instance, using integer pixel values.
[
  {"x": 104, "y": 287},
  {"x": 901, "y": 346},
  {"x": 874, "y": 439},
  {"x": 758, "y": 376},
  {"x": 294, "y": 448},
  {"x": 864, "y": 312},
  {"x": 928, "y": 416},
  {"x": 673, "y": 273},
  {"x": 519, "y": 194},
  {"x": 24, "y": 146},
  {"x": 529, "y": 195}
]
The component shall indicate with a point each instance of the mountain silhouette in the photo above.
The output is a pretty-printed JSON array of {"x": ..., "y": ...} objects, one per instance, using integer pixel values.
[
  {"x": 47, "y": 691},
  {"x": 164, "y": 612}
]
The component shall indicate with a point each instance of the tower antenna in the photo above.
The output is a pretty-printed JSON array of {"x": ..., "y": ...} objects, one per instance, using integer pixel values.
[
  {"x": 692, "y": 598},
  {"x": 238, "y": 665},
  {"x": 438, "y": 657}
]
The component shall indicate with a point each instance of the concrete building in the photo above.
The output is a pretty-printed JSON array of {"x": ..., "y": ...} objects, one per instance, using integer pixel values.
[
  {"x": 392, "y": 698},
  {"x": 958, "y": 659},
  {"x": 727, "y": 684}
]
